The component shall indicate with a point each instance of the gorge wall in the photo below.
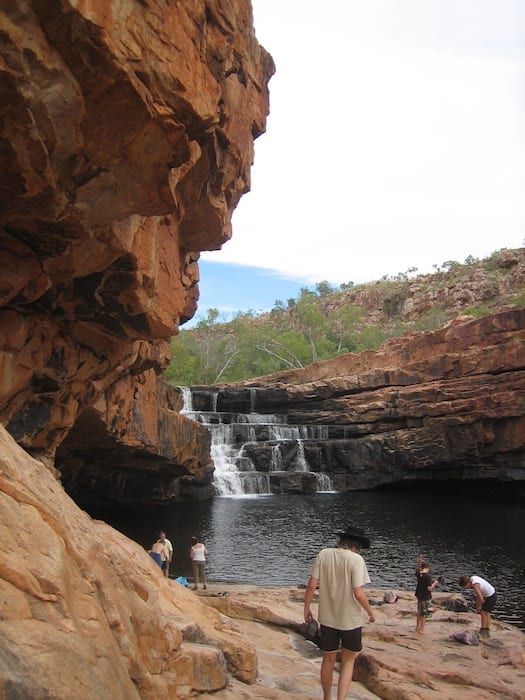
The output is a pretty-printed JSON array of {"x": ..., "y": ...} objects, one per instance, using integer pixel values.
[
  {"x": 126, "y": 140},
  {"x": 446, "y": 405}
]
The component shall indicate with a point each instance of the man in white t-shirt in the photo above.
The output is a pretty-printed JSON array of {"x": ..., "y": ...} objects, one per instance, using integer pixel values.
[
  {"x": 167, "y": 559},
  {"x": 340, "y": 573},
  {"x": 486, "y": 600}
]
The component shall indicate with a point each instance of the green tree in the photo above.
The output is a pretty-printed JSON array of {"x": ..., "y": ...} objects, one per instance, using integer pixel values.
[
  {"x": 342, "y": 325},
  {"x": 324, "y": 288},
  {"x": 311, "y": 321},
  {"x": 346, "y": 286}
]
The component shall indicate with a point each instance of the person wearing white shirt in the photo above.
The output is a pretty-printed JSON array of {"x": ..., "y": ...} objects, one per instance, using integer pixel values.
[
  {"x": 198, "y": 554},
  {"x": 165, "y": 566},
  {"x": 486, "y": 599}
]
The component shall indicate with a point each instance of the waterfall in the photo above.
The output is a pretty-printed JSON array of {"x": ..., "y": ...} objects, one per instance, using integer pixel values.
[
  {"x": 187, "y": 405},
  {"x": 256, "y": 454},
  {"x": 276, "y": 459},
  {"x": 300, "y": 462},
  {"x": 324, "y": 483},
  {"x": 234, "y": 475}
]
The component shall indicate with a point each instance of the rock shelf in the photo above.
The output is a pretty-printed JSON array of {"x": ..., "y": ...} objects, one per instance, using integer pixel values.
[{"x": 396, "y": 662}]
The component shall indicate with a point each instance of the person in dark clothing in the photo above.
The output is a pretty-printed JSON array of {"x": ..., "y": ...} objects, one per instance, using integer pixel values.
[{"x": 424, "y": 589}]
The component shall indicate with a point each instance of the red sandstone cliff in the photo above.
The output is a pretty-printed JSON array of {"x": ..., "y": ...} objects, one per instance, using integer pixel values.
[{"x": 126, "y": 139}]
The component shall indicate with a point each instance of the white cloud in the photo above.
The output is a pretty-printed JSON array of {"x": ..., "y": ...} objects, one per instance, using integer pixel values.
[{"x": 395, "y": 138}]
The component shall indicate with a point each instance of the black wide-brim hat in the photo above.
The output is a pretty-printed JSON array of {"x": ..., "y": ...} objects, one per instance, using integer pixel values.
[{"x": 355, "y": 533}]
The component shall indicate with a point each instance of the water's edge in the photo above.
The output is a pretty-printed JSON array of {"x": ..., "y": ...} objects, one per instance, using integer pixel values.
[{"x": 272, "y": 540}]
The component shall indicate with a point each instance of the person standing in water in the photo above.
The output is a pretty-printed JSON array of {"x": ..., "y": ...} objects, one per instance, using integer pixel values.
[{"x": 198, "y": 553}]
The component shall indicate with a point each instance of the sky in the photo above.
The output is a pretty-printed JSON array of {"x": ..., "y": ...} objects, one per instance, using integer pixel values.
[{"x": 395, "y": 140}]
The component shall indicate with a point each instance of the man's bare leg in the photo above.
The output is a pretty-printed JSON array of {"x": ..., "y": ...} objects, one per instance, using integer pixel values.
[
  {"x": 327, "y": 672},
  {"x": 345, "y": 674},
  {"x": 485, "y": 620}
]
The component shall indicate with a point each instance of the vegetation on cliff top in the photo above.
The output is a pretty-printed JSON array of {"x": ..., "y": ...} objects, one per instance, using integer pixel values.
[{"x": 325, "y": 322}]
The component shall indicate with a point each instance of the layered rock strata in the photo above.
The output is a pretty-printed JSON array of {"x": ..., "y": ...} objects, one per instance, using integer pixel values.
[
  {"x": 436, "y": 406},
  {"x": 126, "y": 139}
]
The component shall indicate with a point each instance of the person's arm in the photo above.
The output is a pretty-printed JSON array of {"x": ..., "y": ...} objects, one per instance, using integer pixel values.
[
  {"x": 432, "y": 586},
  {"x": 191, "y": 552},
  {"x": 308, "y": 596},
  {"x": 362, "y": 599},
  {"x": 479, "y": 596}
]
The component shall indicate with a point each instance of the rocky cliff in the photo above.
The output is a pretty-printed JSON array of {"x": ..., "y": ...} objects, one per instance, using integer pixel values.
[
  {"x": 126, "y": 139},
  {"x": 446, "y": 405}
]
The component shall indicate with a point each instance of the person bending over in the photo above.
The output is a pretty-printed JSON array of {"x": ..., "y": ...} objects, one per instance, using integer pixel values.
[{"x": 486, "y": 599}]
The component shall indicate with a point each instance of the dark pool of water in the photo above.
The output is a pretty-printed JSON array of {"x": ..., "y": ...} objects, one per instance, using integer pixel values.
[{"x": 271, "y": 540}]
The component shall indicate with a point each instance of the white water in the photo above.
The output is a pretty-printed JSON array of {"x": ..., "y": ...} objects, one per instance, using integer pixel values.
[
  {"x": 234, "y": 474},
  {"x": 232, "y": 435},
  {"x": 187, "y": 406},
  {"x": 300, "y": 462}
]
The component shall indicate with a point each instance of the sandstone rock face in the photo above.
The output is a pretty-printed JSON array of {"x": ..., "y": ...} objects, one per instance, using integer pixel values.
[
  {"x": 395, "y": 664},
  {"x": 442, "y": 405},
  {"x": 126, "y": 139},
  {"x": 134, "y": 448},
  {"x": 86, "y": 613}
]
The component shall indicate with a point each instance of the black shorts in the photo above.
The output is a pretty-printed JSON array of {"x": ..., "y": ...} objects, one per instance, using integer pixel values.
[
  {"x": 350, "y": 639},
  {"x": 489, "y": 603}
]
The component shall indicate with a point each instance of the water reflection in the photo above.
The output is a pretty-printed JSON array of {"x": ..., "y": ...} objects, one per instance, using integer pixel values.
[{"x": 272, "y": 540}]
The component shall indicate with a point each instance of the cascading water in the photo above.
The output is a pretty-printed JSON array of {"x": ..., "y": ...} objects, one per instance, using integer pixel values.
[{"x": 251, "y": 450}]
